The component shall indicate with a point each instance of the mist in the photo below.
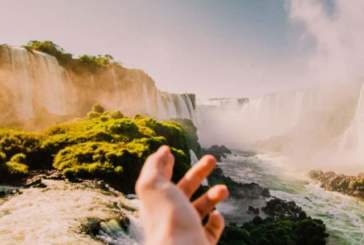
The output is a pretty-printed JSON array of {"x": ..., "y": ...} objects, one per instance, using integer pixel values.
[{"x": 318, "y": 126}]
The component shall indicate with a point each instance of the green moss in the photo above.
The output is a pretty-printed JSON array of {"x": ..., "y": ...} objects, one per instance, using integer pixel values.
[
  {"x": 175, "y": 135},
  {"x": 13, "y": 142},
  {"x": 17, "y": 168},
  {"x": 106, "y": 145},
  {"x": 13, "y": 169}
]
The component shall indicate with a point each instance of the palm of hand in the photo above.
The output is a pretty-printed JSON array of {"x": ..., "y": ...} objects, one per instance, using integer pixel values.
[{"x": 168, "y": 215}]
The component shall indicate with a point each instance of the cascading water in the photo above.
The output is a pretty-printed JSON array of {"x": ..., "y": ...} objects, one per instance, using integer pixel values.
[
  {"x": 20, "y": 83},
  {"x": 35, "y": 85},
  {"x": 353, "y": 138},
  {"x": 302, "y": 124}
]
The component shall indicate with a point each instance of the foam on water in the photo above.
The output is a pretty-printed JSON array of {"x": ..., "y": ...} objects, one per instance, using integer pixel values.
[
  {"x": 343, "y": 215},
  {"x": 53, "y": 215}
]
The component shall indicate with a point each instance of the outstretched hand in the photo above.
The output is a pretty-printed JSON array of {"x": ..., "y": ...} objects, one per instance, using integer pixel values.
[{"x": 168, "y": 215}]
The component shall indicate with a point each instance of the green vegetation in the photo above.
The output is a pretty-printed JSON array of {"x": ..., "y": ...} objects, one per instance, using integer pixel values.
[
  {"x": 104, "y": 145},
  {"x": 192, "y": 137},
  {"x": 286, "y": 224},
  {"x": 84, "y": 63}
]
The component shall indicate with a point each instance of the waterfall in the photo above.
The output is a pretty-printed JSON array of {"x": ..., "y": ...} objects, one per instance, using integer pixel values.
[
  {"x": 34, "y": 80},
  {"x": 171, "y": 106},
  {"x": 21, "y": 83},
  {"x": 52, "y": 84},
  {"x": 307, "y": 125},
  {"x": 175, "y": 106},
  {"x": 148, "y": 101},
  {"x": 162, "y": 110},
  {"x": 353, "y": 138},
  {"x": 34, "y": 85}
]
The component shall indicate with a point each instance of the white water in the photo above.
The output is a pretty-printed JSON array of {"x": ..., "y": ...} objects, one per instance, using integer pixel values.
[
  {"x": 343, "y": 215},
  {"x": 54, "y": 215}
]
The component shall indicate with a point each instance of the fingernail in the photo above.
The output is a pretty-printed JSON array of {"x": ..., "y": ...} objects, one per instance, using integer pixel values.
[{"x": 164, "y": 148}]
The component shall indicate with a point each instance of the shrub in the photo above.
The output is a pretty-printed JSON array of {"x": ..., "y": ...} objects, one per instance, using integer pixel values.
[
  {"x": 191, "y": 133},
  {"x": 13, "y": 169},
  {"x": 286, "y": 223},
  {"x": 85, "y": 63},
  {"x": 13, "y": 142},
  {"x": 107, "y": 146}
]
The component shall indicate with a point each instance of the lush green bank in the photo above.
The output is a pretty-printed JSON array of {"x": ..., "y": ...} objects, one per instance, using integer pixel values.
[{"x": 104, "y": 145}]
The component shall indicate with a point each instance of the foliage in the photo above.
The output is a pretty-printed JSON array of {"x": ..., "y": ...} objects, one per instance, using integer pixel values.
[
  {"x": 192, "y": 137},
  {"x": 50, "y": 48},
  {"x": 85, "y": 63},
  {"x": 106, "y": 145},
  {"x": 95, "y": 62},
  {"x": 286, "y": 224}
]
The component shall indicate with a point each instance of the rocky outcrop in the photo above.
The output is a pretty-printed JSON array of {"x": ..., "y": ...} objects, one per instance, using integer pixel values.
[
  {"x": 286, "y": 223},
  {"x": 218, "y": 151},
  {"x": 238, "y": 190},
  {"x": 349, "y": 185}
]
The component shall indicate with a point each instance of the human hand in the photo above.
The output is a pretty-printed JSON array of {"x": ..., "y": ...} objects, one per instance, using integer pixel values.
[{"x": 167, "y": 214}]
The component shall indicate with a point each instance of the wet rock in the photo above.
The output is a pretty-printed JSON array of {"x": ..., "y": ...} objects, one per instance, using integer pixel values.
[
  {"x": 6, "y": 191},
  {"x": 35, "y": 182},
  {"x": 285, "y": 223},
  {"x": 252, "y": 210},
  {"x": 55, "y": 175},
  {"x": 349, "y": 185},
  {"x": 238, "y": 190},
  {"x": 218, "y": 151},
  {"x": 113, "y": 227},
  {"x": 277, "y": 208}
]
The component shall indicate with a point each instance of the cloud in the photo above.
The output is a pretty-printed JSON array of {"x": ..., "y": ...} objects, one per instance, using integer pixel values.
[{"x": 337, "y": 34}]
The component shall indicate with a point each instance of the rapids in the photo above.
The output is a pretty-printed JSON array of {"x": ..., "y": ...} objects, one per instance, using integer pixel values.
[
  {"x": 343, "y": 215},
  {"x": 54, "y": 215}
]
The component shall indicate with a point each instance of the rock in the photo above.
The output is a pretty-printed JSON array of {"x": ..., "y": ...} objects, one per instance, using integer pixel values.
[
  {"x": 6, "y": 191},
  {"x": 238, "y": 190},
  {"x": 285, "y": 223},
  {"x": 218, "y": 151},
  {"x": 252, "y": 210},
  {"x": 55, "y": 175},
  {"x": 349, "y": 185},
  {"x": 113, "y": 227},
  {"x": 35, "y": 182},
  {"x": 277, "y": 208}
]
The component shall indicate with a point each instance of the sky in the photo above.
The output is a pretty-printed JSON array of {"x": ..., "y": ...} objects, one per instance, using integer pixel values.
[{"x": 213, "y": 48}]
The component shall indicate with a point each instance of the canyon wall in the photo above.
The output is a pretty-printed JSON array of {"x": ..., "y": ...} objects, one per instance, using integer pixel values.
[{"x": 35, "y": 91}]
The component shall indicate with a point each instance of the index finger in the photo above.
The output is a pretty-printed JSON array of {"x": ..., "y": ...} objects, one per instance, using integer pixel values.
[{"x": 194, "y": 177}]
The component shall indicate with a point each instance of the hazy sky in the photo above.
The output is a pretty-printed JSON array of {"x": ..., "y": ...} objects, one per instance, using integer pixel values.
[{"x": 209, "y": 47}]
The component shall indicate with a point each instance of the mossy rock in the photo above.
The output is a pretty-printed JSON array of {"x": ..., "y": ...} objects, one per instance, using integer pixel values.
[{"x": 106, "y": 145}]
